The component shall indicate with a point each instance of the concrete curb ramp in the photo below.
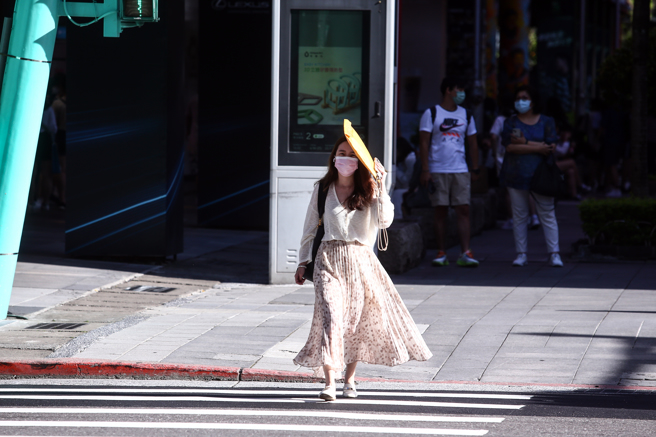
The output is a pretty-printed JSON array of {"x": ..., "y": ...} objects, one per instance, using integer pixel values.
[{"x": 70, "y": 368}]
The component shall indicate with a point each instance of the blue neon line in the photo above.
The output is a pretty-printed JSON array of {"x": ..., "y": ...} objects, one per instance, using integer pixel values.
[
  {"x": 92, "y": 137},
  {"x": 134, "y": 206},
  {"x": 236, "y": 209},
  {"x": 234, "y": 194},
  {"x": 117, "y": 231},
  {"x": 116, "y": 213}
]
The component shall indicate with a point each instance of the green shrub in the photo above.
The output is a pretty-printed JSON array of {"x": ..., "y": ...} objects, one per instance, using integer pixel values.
[{"x": 620, "y": 222}]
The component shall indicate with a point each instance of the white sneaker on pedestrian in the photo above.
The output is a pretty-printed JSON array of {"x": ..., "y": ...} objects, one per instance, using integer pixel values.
[
  {"x": 349, "y": 391},
  {"x": 521, "y": 260},
  {"x": 329, "y": 393},
  {"x": 555, "y": 261},
  {"x": 467, "y": 260},
  {"x": 440, "y": 260},
  {"x": 534, "y": 223},
  {"x": 507, "y": 225}
]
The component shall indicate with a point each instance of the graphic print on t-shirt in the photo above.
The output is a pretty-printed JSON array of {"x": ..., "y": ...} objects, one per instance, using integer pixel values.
[
  {"x": 448, "y": 124},
  {"x": 447, "y": 148}
]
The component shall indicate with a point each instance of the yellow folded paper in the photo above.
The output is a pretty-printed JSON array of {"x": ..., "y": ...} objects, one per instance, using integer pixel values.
[{"x": 358, "y": 147}]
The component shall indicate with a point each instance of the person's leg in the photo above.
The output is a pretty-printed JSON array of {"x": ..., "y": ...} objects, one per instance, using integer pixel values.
[
  {"x": 520, "y": 206},
  {"x": 45, "y": 184},
  {"x": 440, "y": 200},
  {"x": 531, "y": 206},
  {"x": 62, "y": 163},
  {"x": 547, "y": 212},
  {"x": 464, "y": 230},
  {"x": 440, "y": 226},
  {"x": 349, "y": 376},
  {"x": 460, "y": 199},
  {"x": 567, "y": 166},
  {"x": 330, "y": 376}
]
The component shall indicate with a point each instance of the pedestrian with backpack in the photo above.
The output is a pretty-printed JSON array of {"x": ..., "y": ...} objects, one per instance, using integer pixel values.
[
  {"x": 442, "y": 133},
  {"x": 358, "y": 313}
]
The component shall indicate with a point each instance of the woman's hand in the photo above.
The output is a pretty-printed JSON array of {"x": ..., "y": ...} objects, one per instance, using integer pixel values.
[
  {"x": 381, "y": 170},
  {"x": 298, "y": 277},
  {"x": 544, "y": 149},
  {"x": 518, "y": 140}
]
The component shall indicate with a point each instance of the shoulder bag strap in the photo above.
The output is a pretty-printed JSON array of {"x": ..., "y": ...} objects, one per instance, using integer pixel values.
[{"x": 321, "y": 202}]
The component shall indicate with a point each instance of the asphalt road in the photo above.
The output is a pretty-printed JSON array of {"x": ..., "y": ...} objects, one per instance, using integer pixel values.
[{"x": 160, "y": 408}]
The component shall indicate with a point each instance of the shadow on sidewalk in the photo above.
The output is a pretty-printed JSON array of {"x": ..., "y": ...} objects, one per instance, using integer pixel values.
[
  {"x": 631, "y": 364},
  {"x": 217, "y": 255},
  {"x": 243, "y": 256}
]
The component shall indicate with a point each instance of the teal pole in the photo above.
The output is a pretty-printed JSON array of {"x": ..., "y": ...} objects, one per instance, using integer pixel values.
[{"x": 24, "y": 87}]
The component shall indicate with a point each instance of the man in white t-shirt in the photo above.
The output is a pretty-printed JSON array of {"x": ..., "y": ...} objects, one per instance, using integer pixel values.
[{"x": 442, "y": 134}]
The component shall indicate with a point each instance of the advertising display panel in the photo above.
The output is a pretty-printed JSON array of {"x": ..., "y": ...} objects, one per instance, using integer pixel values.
[
  {"x": 329, "y": 74},
  {"x": 331, "y": 60}
]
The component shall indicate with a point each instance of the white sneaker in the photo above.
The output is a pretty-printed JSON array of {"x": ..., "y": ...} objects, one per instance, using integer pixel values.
[
  {"x": 534, "y": 223},
  {"x": 349, "y": 391},
  {"x": 329, "y": 393},
  {"x": 555, "y": 261},
  {"x": 440, "y": 260},
  {"x": 507, "y": 225},
  {"x": 467, "y": 260},
  {"x": 521, "y": 260}
]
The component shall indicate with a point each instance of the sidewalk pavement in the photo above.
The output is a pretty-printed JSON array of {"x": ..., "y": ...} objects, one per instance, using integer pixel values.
[{"x": 591, "y": 324}]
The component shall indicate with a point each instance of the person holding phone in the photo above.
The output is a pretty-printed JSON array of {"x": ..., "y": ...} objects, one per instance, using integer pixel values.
[
  {"x": 358, "y": 314},
  {"x": 528, "y": 137}
]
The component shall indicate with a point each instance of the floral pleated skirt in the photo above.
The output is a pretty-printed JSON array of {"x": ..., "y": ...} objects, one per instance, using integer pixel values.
[{"x": 358, "y": 314}]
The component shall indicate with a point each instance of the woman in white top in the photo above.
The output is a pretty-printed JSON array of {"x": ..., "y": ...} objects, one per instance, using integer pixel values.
[{"x": 358, "y": 314}]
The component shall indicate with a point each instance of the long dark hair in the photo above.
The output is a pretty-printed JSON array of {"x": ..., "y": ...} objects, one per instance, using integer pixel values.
[{"x": 363, "y": 191}]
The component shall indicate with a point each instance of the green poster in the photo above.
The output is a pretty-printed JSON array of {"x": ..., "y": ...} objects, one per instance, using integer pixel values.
[{"x": 328, "y": 77}]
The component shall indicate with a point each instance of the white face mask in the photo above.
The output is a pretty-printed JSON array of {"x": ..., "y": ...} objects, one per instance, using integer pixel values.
[{"x": 346, "y": 165}]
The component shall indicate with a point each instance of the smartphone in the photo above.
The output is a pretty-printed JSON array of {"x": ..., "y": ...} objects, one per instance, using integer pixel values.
[
  {"x": 517, "y": 133},
  {"x": 431, "y": 186}
]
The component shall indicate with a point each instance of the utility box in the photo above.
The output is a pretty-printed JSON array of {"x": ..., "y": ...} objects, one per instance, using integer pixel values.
[{"x": 332, "y": 59}]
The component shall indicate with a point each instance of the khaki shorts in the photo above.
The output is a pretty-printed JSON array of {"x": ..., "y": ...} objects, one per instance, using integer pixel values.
[{"x": 451, "y": 189}]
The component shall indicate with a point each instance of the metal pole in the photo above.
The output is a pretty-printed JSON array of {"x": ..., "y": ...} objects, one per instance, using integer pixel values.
[
  {"x": 21, "y": 108},
  {"x": 477, "y": 43},
  {"x": 639, "y": 104},
  {"x": 582, "y": 77},
  {"x": 618, "y": 32}
]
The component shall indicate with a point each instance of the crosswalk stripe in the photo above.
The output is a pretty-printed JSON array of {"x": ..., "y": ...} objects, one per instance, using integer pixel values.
[
  {"x": 242, "y": 426},
  {"x": 269, "y": 400},
  {"x": 283, "y": 413},
  {"x": 265, "y": 392}
]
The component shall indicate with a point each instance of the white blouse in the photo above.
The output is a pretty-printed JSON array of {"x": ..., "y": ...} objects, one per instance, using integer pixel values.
[{"x": 342, "y": 224}]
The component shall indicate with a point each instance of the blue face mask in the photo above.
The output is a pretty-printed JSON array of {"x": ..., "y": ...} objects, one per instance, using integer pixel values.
[
  {"x": 459, "y": 98},
  {"x": 522, "y": 106}
]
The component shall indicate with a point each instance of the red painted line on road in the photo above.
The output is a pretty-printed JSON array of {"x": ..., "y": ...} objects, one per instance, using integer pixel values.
[
  {"x": 64, "y": 368},
  {"x": 75, "y": 368}
]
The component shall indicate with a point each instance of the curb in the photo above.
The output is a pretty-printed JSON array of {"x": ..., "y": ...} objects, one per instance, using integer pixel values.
[
  {"x": 70, "y": 368},
  {"x": 99, "y": 369}
]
